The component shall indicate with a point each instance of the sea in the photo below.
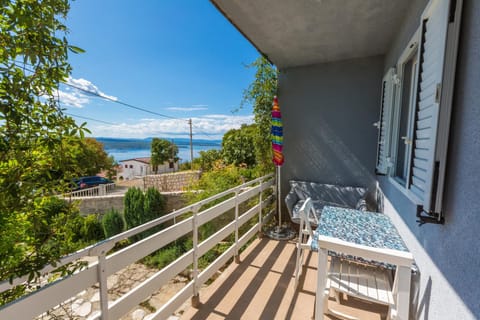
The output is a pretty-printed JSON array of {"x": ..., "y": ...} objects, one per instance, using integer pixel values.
[{"x": 126, "y": 148}]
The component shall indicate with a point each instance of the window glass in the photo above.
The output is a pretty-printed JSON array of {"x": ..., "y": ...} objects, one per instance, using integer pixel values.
[{"x": 405, "y": 111}]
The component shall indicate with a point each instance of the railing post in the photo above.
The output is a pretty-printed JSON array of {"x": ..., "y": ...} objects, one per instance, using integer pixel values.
[
  {"x": 101, "y": 252},
  {"x": 196, "y": 295},
  {"x": 237, "y": 256},
  {"x": 103, "y": 287},
  {"x": 260, "y": 211},
  {"x": 103, "y": 190}
]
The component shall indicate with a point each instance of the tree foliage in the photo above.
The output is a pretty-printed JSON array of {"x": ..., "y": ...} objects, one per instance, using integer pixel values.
[
  {"x": 33, "y": 134},
  {"x": 91, "y": 158},
  {"x": 162, "y": 151},
  {"x": 141, "y": 208},
  {"x": 260, "y": 94},
  {"x": 208, "y": 159},
  {"x": 238, "y": 146},
  {"x": 154, "y": 205},
  {"x": 218, "y": 180},
  {"x": 112, "y": 223},
  {"x": 133, "y": 211}
]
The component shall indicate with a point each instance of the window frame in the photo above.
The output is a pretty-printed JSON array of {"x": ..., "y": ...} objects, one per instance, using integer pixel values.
[
  {"x": 411, "y": 51},
  {"x": 384, "y": 124}
]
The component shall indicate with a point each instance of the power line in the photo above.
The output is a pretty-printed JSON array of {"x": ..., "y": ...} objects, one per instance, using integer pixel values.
[
  {"x": 189, "y": 121},
  {"x": 110, "y": 99},
  {"x": 121, "y": 102},
  {"x": 203, "y": 133},
  {"x": 91, "y": 119}
]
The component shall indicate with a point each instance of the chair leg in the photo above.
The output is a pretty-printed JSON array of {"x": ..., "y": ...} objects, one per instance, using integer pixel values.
[
  {"x": 337, "y": 296},
  {"x": 299, "y": 264}
]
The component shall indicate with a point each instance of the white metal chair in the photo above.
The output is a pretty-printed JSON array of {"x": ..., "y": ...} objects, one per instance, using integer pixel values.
[{"x": 371, "y": 283}]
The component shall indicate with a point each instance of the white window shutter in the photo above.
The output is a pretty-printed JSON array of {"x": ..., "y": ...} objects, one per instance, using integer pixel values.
[
  {"x": 384, "y": 123},
  {"x": 424, "y": 174}
]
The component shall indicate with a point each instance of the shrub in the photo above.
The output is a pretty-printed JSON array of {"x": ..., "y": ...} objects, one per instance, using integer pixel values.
[
  {"x": 162, "y": 258},
  {"x": 154, "y": 205},
  {"x": 134, "y": 205},
  {"x": 168, "y": 254},
  {"x": 208, "y": 158},
  {"x": 92, "y": 230},
  {"x": 112, "y": 223}
]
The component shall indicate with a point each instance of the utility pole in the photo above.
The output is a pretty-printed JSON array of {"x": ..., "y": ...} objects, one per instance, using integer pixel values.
[
  {"x": 191, "y": 144},
  {"x": 173, "y": 158}
]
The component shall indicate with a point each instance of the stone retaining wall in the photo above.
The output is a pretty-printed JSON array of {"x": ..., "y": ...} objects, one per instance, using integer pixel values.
[
  {"x": 174, "y": 201},
  {"x": 170, "y": 182}
]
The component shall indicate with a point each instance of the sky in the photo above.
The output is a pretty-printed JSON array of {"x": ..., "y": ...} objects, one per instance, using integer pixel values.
[{"x": 180, "y": 59}]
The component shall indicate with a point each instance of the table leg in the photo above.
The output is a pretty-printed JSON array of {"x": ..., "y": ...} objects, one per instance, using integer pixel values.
[
  {"x": 321, "y": 283},
  {"x": 403, "y": 293}
]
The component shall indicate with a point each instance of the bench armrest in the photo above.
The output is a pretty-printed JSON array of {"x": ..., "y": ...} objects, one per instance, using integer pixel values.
[{"x": 290, "y": 200}]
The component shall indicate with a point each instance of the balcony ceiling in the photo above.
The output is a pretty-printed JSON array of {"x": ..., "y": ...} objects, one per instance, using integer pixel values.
[{"x": 303, "y": 32}]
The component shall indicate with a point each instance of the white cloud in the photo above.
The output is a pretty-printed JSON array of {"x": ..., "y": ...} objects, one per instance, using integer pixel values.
[
  {"x": 205, "y": 127},
  {"x": 72, "y": 98},
  {"x": 86, "y": 85},
  {"x": 76, "y": 97},
  {"x": 198, "y": 107}
]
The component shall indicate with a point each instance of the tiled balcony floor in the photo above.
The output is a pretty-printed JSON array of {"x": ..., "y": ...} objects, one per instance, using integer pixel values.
[{"x": 262, "y": 287}]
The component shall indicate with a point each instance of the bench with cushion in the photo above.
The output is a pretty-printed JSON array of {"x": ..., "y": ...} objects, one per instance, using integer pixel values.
[{"x": 322, "y": 195}]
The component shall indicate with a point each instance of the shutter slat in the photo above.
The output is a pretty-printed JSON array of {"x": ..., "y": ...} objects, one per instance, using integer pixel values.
[
  {"x": 423, "y": 134},
  {"x": 422, "y": 143},
  {"x": 423, "y": 114},
  {"x": 427, "y": 98},
  {"x": 420, "y": 163},
  {"x": 428, "y": 87},
  {"x": 425, "y": 123},
  {"x": 423, "y": 154},
  {"x": 421, "y": 173},
  {"x": 419, "y": 183}
]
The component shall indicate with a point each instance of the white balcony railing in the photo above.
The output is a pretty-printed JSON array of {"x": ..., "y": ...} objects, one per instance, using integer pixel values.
[
  {"x": 100, "y": 190},
  {"x": 52, "y": 295}
]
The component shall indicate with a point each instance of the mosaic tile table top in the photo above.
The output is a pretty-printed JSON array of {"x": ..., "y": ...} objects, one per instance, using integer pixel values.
[{"x": 360, "y": 227}]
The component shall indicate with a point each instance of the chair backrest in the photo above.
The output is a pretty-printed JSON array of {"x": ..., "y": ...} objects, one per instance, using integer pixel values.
[{"x": 305, "y": 212}]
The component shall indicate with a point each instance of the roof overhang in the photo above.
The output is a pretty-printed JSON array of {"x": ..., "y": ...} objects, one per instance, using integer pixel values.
[{"x": 304, "y": 32}]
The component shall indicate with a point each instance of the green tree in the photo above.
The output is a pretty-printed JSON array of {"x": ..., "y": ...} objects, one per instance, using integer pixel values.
[
  {"x": 260, "y": 94},
  {"x": 238, "y": 145},
  {"x": 92, "y": 158},
  {"x": 153, "y": 208},
  {"x": 208, "y": 159},
  {"x": 162, "y": 151},
  {"x": 154, "y": 205},
  {"x": 134, "y": 205},
  {"x": 33, "y": 133},
  {"x": 218, "y": 180},
  {"x": 112, "y": 223},
  {"x": 141, "y": 208},
  {"x": 92, "y": 230}
]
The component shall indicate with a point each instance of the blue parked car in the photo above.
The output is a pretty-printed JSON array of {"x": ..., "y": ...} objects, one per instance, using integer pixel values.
[{"x": 89, "y": 182}]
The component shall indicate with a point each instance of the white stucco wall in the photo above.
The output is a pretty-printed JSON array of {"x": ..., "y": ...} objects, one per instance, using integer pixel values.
[{"x": 133, "y": 168}]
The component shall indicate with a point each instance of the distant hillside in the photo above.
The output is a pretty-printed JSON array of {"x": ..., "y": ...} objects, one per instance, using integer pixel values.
[{"x": 132, "y": 144}]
